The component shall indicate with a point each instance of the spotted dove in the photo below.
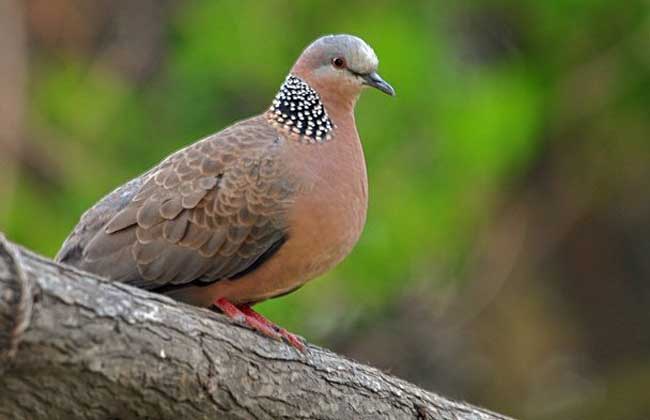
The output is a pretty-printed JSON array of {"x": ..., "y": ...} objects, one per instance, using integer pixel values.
[{"x": 251, "y": 212}]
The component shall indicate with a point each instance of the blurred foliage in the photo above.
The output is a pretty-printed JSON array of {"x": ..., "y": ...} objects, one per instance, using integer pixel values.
[{"x": 484, "y": 91}]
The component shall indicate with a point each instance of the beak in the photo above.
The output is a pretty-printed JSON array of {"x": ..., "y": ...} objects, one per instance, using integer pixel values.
[{"x": 375, "y": 80}]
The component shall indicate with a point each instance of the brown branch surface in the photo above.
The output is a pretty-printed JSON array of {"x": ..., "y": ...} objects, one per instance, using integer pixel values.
[{"x": 73, "y": 345}]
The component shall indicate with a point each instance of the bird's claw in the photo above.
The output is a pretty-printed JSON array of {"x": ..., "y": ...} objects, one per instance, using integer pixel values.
[
  {"x": 246, "y": 315},
  {"x": 292, "y": 339}
]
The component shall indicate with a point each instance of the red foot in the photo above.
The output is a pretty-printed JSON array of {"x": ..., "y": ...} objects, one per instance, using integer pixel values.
[
  {"x": 292, "y": 339},
  {"x": 245, "y": 314}
]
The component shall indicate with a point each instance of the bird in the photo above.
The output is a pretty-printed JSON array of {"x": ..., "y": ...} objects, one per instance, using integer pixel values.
[{"x": 251, "y": 212}]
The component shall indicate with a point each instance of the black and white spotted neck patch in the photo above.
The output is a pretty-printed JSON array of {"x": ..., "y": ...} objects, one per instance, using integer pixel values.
[{"x": 298, "y": 108}]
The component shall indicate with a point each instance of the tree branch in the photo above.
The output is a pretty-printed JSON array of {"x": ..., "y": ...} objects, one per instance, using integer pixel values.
[{"x": 73, "y": 345}]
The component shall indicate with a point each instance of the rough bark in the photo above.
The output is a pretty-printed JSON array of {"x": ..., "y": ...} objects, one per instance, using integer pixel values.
[{"x": 73, "y": 345}]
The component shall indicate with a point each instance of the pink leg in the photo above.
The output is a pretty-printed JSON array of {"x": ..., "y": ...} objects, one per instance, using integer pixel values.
[
  {"x": 292, "y": 339},
  {"x": 234, "y": 313}
]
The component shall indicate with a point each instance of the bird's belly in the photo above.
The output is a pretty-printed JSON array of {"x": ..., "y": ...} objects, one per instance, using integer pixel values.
[
  {"x": 320, "y": 236},
  {"x": 325, "y": 222},
  {"x": 326, "y": 231}
]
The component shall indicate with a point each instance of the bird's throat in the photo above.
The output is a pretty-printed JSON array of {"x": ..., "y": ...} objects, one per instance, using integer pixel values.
[{"x": 298, "y": 109}]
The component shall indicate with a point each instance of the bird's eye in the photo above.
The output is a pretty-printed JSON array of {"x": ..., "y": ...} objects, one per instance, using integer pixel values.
[{"x": 338, "y": 62}]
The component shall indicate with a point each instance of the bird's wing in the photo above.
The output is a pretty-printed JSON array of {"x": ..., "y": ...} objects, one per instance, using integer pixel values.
[{"x": 208, "y": 212}]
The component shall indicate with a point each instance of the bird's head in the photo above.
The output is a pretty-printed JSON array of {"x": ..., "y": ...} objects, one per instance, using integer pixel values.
[{"x": 339, "y": 67}]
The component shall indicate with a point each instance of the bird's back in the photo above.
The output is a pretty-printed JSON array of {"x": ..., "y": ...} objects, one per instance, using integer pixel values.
[{"x": 209, "y": 211}]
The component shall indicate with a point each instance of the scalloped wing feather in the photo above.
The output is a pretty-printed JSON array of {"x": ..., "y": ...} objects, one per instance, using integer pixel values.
[{"x": 206, "y": 213}]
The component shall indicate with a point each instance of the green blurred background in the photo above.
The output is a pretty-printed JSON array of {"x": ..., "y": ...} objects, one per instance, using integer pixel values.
[{"x": 506, "y": 258}]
